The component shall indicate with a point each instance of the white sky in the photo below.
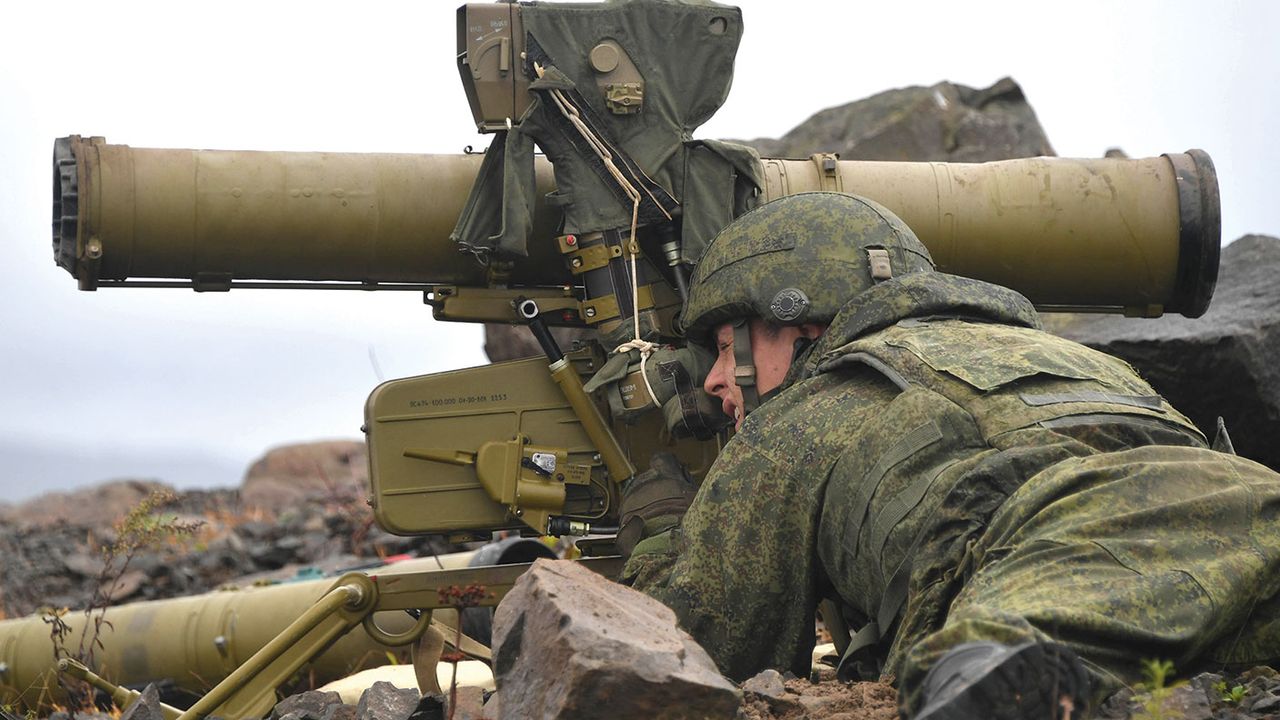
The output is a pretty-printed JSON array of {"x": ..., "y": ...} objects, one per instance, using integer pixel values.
[{"x": 126, "y": 375}]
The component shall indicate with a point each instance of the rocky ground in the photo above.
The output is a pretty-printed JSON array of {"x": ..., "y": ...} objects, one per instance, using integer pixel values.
[{"x": 47, "y": 562}]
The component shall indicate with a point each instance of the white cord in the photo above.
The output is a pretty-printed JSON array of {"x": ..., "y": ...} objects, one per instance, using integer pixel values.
[{"x": 633, "y": 247}]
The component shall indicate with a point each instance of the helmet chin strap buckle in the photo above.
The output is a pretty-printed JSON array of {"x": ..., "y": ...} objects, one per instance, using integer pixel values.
[{"x": 744, "y": 370}]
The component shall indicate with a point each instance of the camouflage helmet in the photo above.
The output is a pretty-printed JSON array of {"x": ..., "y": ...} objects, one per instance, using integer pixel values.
[{"x": 798, "y": 260}]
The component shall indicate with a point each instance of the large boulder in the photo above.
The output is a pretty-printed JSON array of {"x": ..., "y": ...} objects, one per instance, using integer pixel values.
[
  {"x": 336, "y": 469},
  {"x": 570, "y": 644},
  {"x": 97, "y": 506},
  {"x": 943, "y": 122},
  {"x": 1221, "y": 364}
]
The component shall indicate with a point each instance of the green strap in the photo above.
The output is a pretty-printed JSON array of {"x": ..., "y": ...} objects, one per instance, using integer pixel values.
[
  {"x": 908, "y": 445},
  {"x": 902, "y": 504},
  {"x": 870, "y": 361},
  {"x": 744, "y": 371},
  {"x": 859, "y": 649},
  {"x": 1149, "y": 402},
  {"x": 891, "y": 603}
]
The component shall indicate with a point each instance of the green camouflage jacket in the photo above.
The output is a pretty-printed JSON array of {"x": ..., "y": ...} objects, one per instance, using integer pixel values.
[{"x": 869, "y": 477}]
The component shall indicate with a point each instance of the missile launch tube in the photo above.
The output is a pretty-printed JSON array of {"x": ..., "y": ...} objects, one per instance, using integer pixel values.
[
  {"x": 1140, "y": 236},
  {"x": 193, "y": 641},
  {"x": 212, "y": 216}
]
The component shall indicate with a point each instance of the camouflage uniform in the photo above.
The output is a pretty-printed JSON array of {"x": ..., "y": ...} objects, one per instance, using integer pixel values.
[{"x": 946, "y": 469}]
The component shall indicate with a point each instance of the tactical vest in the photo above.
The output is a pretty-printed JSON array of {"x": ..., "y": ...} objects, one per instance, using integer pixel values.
[{"x": 966, "y": 389}]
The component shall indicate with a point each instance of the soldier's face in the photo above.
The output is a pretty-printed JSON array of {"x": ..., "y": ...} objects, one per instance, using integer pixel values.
[{"x": 771, "y": 350}]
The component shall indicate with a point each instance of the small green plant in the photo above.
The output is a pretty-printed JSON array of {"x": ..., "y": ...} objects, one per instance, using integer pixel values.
[
  {"x": 1230, "y": 695},
  {"x": 1157, "y": 686}
]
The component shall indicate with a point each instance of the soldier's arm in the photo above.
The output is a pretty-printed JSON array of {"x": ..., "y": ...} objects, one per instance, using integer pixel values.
[{"x": 740, "y": 572}]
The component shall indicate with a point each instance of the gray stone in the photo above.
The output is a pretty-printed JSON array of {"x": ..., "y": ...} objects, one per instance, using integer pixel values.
[
  {"x": 767, "y": 683},
  {"x": 944, "y": 122},
  {"x": 384, "y": 701},
  {"x": 145, "y": 707},
  {"x": 430, "y": 707},
  {"x": 1186, "y": 702},
  {"x": 492, "y": 709},
  {"x": 84, "y": 564},
  {"x": 309, "y": 705},
  {"x": 1208, "y": 683},
  {"x": 570, "y": 644},
  {"x": 1265, "y": 703},
  {"x": 1221, "y": 364},
  {"x": 340, "y": 712},
  {"x": 1118, "y": 706}
]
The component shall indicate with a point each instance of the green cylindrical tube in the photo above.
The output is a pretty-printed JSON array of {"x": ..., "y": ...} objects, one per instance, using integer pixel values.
[
  {"x": 194, "y": 641},
  {"x": 211, "y": 216},
  {"x": 1139, "y": 236}
]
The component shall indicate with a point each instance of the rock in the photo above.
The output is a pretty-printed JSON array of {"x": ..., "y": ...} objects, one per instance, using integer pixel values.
[
  {"x": 125, "y": 586},
  {"x": 334, "y": 469},
  {"x": 512, "y": 342},
  {"x": 145, "y": 707},
  {"x": 470, "y": 704},
  {"x": 1186, "y": 702},
  {"x": 767, "y": 683},
  {"x": 1220, "y": 364},
  {"x": 430, "y": 707},
  {"x": 770, "y": 687},
  {"x": 568, "y": 643},
  {"x": 83, "y": 564},
  {"x": 96, "y": 506},
  {"x": 1260, "y": 671},
  {"x": 492, "y": 710},
  {"x": 1265, "y": 704},
  {"x": 1207, "y": 683},
  {"x": 340, "y": 712},
  {"x": 385, "y": 701},
  {"x": 945, "y": 122},
  {"x": 310, "y": 705},
  {"x": 1118, "y": 706}
]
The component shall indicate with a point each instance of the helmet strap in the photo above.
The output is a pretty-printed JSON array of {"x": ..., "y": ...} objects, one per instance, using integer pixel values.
[{"x": 744, "y": 371}]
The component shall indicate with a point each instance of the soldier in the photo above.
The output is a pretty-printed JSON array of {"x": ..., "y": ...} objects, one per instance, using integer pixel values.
[{"x": 1015, "y": 521}]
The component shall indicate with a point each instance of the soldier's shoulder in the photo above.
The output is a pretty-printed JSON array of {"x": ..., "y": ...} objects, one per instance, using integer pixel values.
[{"x": 814, "y": 418}]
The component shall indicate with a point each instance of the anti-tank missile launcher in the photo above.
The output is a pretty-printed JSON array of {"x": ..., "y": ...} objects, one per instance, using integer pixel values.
[{"x": 599, "y": 232}]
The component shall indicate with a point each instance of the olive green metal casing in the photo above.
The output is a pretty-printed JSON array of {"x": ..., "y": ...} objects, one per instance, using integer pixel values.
[
  {"x": 211, "y": 217},
  {"x": 1111, "y": 235},
  {"x": 195, "y": 641},
  {"x": 454, "y": 452},
  {"x": 1139, "y": 236}
]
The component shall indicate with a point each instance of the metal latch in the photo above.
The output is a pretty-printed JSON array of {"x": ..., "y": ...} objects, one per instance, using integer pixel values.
[{"x": 624, "y": 98}]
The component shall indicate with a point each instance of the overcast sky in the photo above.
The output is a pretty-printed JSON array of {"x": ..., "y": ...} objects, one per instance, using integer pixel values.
[{"x": 191, "y": 388}]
